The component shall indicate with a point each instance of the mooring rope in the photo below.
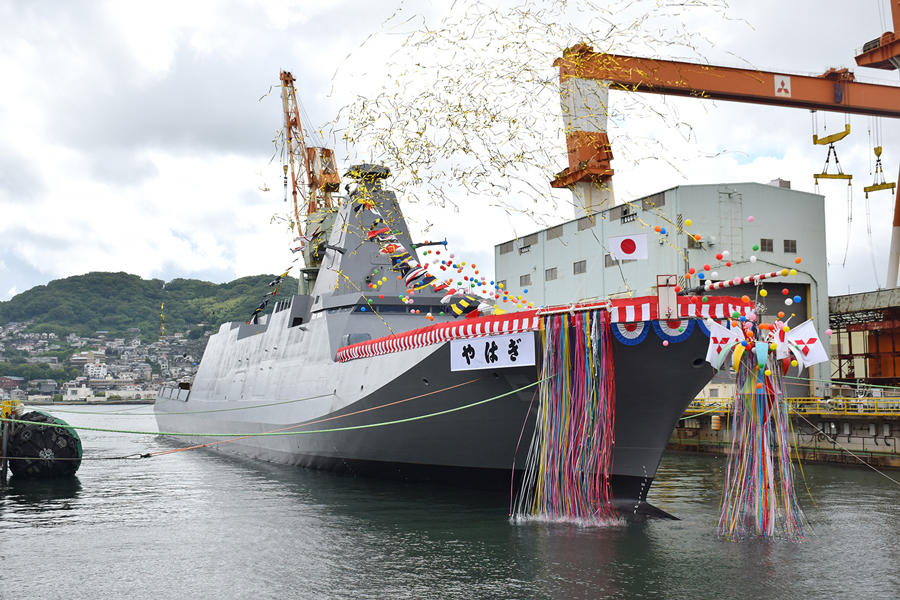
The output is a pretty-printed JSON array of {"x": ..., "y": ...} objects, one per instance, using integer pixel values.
[
  {"x": 186, "y": 412},
  {"x": 282, "y": 432}
]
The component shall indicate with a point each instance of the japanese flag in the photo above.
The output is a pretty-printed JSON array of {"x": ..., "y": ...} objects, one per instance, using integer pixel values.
[
  {"x": 804, "y": 342},
  {"x": 629, "y": 247}
]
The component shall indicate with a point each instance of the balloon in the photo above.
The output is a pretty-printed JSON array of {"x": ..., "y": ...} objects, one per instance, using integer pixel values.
[
  {"x": 692, "y": 270},
  {"x": 828, "y": 332},
  {"x": 753, "y": 258},
  {"x": 714, "y": 274},
  {"x": 751, "y": 218},
  {"x": 797, "y": 299},
  {"x": 688, "y": 222},
  {"x": 701, "y": 276},
  {"x": 745, "y": 298},
  {"x": 663, "y": 231},
  {"x": 706, "y": 267},
  {"x": 728, "y": 264},
  {"x": 755, "y": 247},
  {"x": 798, "y": 260},
  {"x": 793, "y": 271},
  {"x": 720, "y": 256},
  {"x": 788, "y": 302},
  {"x": 657, "y": 229},
  {"x": 794, "y": 363},
  {"x": 665, "y": 342},
  {"x": 784, "y": 292},
  {"x": 677, "y": 288},
  {"x": 763, "y": 293},
  {"x": 725, "y": 253}
]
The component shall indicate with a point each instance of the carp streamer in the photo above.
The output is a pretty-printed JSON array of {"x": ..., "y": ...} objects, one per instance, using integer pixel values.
[
  {"x": 567, "y": 472},
  {"x": 759, "y": 497}
]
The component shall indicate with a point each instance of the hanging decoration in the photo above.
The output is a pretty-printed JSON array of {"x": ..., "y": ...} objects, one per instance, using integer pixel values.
[
  {"x": 759, "y": 497},
  {"x": 275, "y": 283},
  {"x": 567, "y": 472}
]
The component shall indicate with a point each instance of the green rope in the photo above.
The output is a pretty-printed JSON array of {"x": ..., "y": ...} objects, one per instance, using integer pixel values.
[
  {"x": 189, "y": 412},
  {"x": 278, "y": 433}
]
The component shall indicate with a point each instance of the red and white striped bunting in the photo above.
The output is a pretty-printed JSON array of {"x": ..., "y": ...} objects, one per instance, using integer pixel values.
[{"x": 626, "y": 310}]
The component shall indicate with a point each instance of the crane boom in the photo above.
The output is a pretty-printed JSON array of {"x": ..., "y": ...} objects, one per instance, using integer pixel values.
[
  {"x": 590, "y": 151},
  {"x": 834, "y": 90}
]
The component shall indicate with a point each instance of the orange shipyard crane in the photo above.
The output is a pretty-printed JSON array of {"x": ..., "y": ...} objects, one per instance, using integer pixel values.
[
  {"x": 586, "y": 77},
  {"x": 322, "y": 178}
]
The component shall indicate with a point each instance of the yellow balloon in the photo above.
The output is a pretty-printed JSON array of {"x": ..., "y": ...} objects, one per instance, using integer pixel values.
[
  {"x": 763, "y": 293},
  {"x": 688, "y": 222},
  {"x": 793, "y": 271},
  {"x": 794, "y": 363},
  {"x": 767, "y": 372}
]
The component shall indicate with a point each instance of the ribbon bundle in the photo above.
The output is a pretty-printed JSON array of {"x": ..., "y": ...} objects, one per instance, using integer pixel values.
[
  {"x": 759, "y": 497},
  {"x": 567, "y": 472}
]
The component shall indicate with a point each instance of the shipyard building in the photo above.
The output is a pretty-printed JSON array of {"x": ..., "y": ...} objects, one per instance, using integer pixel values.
[{"x": 572, "y": 261}]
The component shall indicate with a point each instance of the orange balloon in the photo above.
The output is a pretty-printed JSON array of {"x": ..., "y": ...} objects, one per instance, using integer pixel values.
[{"x": 798, "y": 260}]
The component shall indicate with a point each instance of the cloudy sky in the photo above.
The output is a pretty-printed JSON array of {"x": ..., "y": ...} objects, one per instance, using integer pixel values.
[{"x": 137, "y": 137}]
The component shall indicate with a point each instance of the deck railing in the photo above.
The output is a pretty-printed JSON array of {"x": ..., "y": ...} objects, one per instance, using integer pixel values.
[{"x": 873, "y": 407}]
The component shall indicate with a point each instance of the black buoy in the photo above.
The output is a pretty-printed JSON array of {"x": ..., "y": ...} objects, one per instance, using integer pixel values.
[{"x": 43, "y": 451}]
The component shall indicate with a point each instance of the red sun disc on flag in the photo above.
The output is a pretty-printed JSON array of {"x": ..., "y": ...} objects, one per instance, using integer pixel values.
[{"x": 628, "y": 246}]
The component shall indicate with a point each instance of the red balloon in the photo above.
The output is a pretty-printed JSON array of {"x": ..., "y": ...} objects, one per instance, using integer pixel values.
[
  {"x": 720, "y": 256},
  {"x": 785, "y": 292},
  {"x": 706, "y": 267}
]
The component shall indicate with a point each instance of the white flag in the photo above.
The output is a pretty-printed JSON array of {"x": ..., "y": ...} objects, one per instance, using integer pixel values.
[
  {"x": 804, "y": 339},
  {"x": 721, "y": 341},
  {"x": 629, "y": 247}
]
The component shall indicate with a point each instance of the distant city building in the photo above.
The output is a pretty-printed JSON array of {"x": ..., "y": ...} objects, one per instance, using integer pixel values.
[
  {"x": 10, "y": 382},
  {"x": 95, "y": 371}
]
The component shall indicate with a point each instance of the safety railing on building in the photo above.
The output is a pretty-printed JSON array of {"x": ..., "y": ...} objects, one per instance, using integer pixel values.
[{"x": 875, "y": 407}]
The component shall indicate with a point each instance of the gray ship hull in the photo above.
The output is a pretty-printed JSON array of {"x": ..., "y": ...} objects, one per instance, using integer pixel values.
[{"x": 654, "y": 384}]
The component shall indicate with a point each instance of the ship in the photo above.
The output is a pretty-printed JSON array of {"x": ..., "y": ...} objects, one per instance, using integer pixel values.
[{"x": 347, "y": 374}]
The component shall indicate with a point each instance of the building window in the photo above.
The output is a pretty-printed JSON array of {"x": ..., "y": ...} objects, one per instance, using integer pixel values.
[
  {"x": 790, "y": 246},
  {"x": 550, "y": 274},
  {"x": 654, "y": 201},
  {"x": 609, "y": 261},
  {"x": 766, "y": 245},
  {"x": 580, "y": 267},
  {"x": 555, "y": 232},
  {"x": 524, "y": 280},
  {"x": 529, "y": 240},
  {"x": 586, "y": 222},
  {"x": 506, "y": 247}
]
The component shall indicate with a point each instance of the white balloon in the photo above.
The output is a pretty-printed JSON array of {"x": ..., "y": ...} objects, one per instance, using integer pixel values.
[
  {"x": 714, "y": 274},
  {"x": 788, "y": 301},
  {"x": 725, "y": 253},
  {"x": 752, "y": 259}
]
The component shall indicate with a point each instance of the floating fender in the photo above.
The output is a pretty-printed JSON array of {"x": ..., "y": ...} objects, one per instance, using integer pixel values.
[{"x": 41, "y": 451}]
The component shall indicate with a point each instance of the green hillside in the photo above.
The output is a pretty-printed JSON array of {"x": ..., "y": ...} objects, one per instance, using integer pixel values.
[{"x": 115, "y": 302}]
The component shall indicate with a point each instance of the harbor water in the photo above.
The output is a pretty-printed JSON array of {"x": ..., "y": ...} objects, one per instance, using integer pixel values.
[{"x": 198, "y": 524}]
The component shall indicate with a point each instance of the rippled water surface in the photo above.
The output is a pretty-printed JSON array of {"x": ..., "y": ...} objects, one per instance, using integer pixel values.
[{"x": 198, "y": 524}]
